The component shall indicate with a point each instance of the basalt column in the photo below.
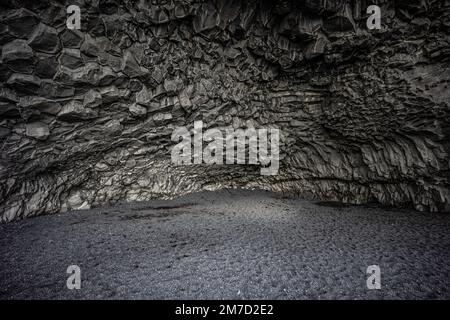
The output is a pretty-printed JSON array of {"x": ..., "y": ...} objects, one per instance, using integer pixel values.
[{"x": 86, "y": 116}]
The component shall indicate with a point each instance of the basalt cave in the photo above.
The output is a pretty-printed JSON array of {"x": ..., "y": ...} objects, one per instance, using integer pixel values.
[{"x": 87, "y": 122}]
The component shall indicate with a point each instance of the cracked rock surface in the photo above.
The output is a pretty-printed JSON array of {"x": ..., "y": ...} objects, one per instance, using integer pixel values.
[{"x": 86, "y": 116}]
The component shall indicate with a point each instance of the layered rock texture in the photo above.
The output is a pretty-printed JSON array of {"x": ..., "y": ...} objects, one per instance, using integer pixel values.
[{"x": 86, "y": 116}]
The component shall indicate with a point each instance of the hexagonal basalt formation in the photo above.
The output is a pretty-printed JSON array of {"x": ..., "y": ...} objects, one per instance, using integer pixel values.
[{"x": 87, "y": 115}]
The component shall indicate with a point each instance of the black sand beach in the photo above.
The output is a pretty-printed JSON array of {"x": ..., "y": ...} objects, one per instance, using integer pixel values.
[{"x": 228, "y": 245}]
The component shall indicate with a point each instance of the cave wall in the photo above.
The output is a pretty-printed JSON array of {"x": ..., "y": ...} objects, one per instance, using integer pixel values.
[{"x": 86, "y": 116}]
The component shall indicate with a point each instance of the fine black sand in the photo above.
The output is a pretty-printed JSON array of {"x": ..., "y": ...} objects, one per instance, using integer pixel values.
[{"x": 228, "y": 245}]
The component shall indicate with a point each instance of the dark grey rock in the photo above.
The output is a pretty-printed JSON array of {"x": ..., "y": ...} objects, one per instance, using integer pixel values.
[
  {"x": 45, "y": 39},
  {"x": 37, "y": 130},
  {"x": 9, "y": 95},
  {"x": 39, "y": 104},
  {"x": 92, "y": 99},
  {"x": 112, "y": 94},
  {"x": 5, "y": 72},
  {"x": 46, "y": 66},
  {"x": 16, "y": 50},
  {"x": 94, "y": 47},
  {"x": 74, "y": 111},
  {"x": 144, "y": 97},
  {"x": 4, "y": 132},
  {"x": 51, "y": 89},
  {"x": 162, "y": 118},
  {"x": 9, "y": 109},
  {"x": 24, "y": 83},
  {"x": 5, "y": 35},
  {"x": 135, "y": 85},
  {"x": 173, "y": 85},
  {"x": 18, "y": 56},
  {"x": 130, "y": 66},
  {"x": 21, "y": 22},
  {"x": 137, "y": 110},
  {"x": 90, "y": 73},
  {"x": 363, "y": 113},
  {"x": 71, "y": 58},
  {"x": 55, "y": 14},
  {"x": 71, "y": 38}
]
